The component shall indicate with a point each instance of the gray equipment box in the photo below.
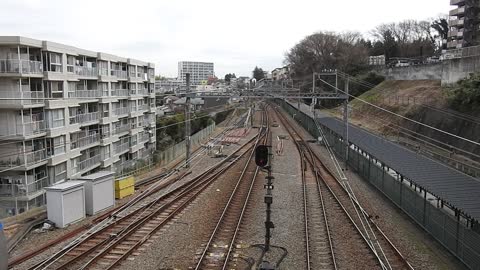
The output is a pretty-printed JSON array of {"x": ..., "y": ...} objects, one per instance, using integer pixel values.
[
  {"x": 99, "y": 191},
  {"x": 66, "y": 203}
]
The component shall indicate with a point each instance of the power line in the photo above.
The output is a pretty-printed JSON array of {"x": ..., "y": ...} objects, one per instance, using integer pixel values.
[{"x": 404, "y": 117}]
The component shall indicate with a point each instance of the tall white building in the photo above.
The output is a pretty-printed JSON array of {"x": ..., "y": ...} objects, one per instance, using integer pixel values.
[
  {"x": 199, "y": 72},
  {"x": 66, "y": 112}
]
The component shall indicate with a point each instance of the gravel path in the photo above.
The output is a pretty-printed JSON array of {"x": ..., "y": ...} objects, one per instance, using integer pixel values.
[{"x": 287, "y": 214}]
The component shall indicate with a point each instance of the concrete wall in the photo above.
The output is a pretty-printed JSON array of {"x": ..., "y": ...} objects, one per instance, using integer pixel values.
[{"x": 448, "y": 71}]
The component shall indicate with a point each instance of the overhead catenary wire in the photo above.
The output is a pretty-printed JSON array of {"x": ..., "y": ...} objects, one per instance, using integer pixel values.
[
  {"x": 458, "y": 115},
  {"x": 403, "y": 117}
]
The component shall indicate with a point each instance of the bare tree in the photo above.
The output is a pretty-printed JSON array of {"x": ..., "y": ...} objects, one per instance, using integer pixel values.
[{"x": 327, "y": 50}]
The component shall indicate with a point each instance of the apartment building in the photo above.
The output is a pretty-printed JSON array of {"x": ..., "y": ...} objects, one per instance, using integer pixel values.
[
  {"x": 66, "y": 112},
  {"x": 199, "y": 72},
  {"x": 464, "y": 24}
]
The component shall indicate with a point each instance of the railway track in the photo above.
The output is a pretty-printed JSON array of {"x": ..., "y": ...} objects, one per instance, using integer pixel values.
[
  {"x": 217, "y": 253},
  {"x": 150, "y": 188},
  {"x": 106, "y": 247},
  {"x": 329, "y": 205}
]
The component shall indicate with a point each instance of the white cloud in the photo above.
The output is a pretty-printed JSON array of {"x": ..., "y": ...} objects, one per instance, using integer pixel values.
[{"x": 235, "y": 35}]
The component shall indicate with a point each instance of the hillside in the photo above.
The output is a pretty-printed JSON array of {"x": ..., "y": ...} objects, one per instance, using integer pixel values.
[{"x": 424, "y": 101}]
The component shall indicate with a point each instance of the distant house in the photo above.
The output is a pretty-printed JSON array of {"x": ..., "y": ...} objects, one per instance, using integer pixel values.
[{"x": 281, "y": 73}]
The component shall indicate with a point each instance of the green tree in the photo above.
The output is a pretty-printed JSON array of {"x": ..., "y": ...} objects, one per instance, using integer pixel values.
[
  {"x": 228, "y": 77},
  {"x": 440, "y": 25},
  {"x": 258, "y": 73}
]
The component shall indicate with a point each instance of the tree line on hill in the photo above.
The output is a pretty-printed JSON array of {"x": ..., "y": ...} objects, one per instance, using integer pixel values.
[{"x": 349, "y": 51}]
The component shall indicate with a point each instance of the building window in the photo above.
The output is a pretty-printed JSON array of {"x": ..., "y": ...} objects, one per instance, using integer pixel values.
[
  {"x": 55, "y": 62},
  {"x": 70, "y": 63},
  {"x": 60, "y": 172},
  {"x": 56, "y": 146},
  {"x": 56, "y": 118}
]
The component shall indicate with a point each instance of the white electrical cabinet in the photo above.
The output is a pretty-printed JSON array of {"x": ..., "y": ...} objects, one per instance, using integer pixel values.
[
  {"x": 99, "y": 191},
  {"x": 66, "y": 203}
]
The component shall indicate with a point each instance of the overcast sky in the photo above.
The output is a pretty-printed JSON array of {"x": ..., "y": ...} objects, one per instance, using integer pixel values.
[{"x": 235, "y": 35}]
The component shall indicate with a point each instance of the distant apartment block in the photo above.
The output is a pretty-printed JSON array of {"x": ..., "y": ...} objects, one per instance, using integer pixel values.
[
  {"x": 464, "y": 24},
  {"x": 199, "y": 72},
  {"x": 167, "y": 85},
  {"x": 67, "y": 112}
]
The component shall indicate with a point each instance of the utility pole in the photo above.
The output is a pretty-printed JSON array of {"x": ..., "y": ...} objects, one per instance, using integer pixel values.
[
  {"x": 336, "y": 81},
  {"x": 314, "y": 100},
  {"x": 187, "y": 122},
  {"x": 345, "y": 118}
]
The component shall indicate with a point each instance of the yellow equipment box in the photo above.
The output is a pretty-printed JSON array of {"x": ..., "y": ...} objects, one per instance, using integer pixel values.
[{"x": 124, "y": 187}]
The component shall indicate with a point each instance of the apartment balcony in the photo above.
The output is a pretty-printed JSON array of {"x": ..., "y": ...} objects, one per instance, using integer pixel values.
[
  {"x": 457, "y": 23},
  {"x": 121, "y": 111},
  {"x": 88, "y": 164},
  {"x": 457, "y": 2},
  {"x": 120, "y": 93},
  {"x": 143, "y": 107},
  {"x": 85, "y": 141},
  {"x": 103, "y": 72},
  {"x": 121, "y": 129},
  {"x": 457, "y": 12},
  {"x": 15, "y": 99},
  {"x": 30, "y": 189},
  {"x": 144, "y": 138},
  {"x": 31, "y": 129},
  {"x": 86, "y": 71},
  {"x": 85, "y": 94},
  {"x": 85, "y": 118},
  {"x": 14, "y": 66},
  {"x": 124, "y": 146},
  {"x": 148, "y": 121},
  {"x": 24, "y": 160},
  {"x": 455, "y": 44},
  {"x": 120, "y": 74},
  {"x": 142, "y": 92}
]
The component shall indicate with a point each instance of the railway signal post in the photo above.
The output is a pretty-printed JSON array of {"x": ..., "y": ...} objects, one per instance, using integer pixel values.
[{"x": 262, "y": 159}]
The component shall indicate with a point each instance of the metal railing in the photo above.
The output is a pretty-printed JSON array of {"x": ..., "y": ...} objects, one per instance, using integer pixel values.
[
  {"x": 142, "y": 92},
  {"x": 144, "y": 138},
  {"x": 26, "y": 159},
  {"x": 85, "y": 141},
  {"x": 31, "y": 128},
  {"x": 23, "y": 189},
  {"x": 20, "y": 66},
  {"x": 103, "y": 71},
  {"x": 85, "y": 94},
  {"x": 86, "y": 71},
  {"x": 120, "y": 129},
  {"x": 120, "y": 92},
  {"x": 22, "y": 97},
  {"x": 121, "y": 110},
  {"x": 119, "y": 74},
  {"x": 35, "y": 157},
  {"x": 143, "y": 107},
  {"x": 118, "y": 148},
  {"x": 88, "y": 163},
  {"x": 84, "y": 118}
]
